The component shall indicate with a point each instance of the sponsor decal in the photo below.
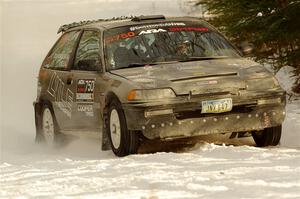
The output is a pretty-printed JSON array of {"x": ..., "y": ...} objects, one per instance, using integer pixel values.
[
  {"x": 62, "y": 95},
  {"x": 86, "y": 108},
  {"x": 152, "y": 31},
  {"x": 85, "y": 90},
  {"x": 198, "y": 29},
  {"x": 118, "y": 37},
  {"x": 150, "y": 26},
  {"x": 153, "y": 28}
]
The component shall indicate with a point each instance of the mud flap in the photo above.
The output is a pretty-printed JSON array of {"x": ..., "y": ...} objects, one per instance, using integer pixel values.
[
  {"x": 37, "y": 117},
  {"x": 105, "y": 146}
]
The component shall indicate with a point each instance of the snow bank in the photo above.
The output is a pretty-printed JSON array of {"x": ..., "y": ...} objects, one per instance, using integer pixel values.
[
  {"x": 291, "y": 125},
  {"x": 286, "y": 78}
]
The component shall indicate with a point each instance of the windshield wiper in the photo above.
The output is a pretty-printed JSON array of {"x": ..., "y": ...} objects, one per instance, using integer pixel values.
[
  {"x": 133, "y": 65},
  {"x": 140, "y": 64},
  {"x": 187, "y": 59}
]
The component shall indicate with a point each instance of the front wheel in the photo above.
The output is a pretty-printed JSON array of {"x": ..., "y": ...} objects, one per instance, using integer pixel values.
[
  {"x": 267, "y": 137},
  {"x": 123, "y": 142}
]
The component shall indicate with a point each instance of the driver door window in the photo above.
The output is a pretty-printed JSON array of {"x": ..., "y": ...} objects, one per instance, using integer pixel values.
[{"x": 88, "y": 52}]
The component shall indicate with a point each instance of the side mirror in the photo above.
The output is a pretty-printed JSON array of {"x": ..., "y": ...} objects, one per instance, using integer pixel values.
[{"x": 246, "y": 48}]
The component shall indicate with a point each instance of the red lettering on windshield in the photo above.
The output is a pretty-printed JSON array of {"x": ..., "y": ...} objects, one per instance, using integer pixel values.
[
  {"x": 118, "y": 37},
  {"x": 176, "y": 29}
]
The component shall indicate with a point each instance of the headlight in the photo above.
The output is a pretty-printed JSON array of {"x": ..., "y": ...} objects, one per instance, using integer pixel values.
[
  {"x": 269, "y": 101},
  {"x": 261, "y": 84},
  {"x": 151, "y": 94}
]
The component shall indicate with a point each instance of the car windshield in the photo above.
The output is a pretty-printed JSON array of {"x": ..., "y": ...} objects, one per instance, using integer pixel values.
[{"x": 149, "y": 44}]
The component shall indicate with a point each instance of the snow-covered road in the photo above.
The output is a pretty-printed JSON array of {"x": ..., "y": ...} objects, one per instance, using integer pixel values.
[
  {"x": 210, "y": 171},
  {"x": 203, "y": 171}
]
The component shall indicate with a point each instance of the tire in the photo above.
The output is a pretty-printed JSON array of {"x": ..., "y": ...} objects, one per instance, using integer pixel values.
[
  {"x": 123, "y": 142},
  {"x": 267, "y": 137},
  {"x": 47, "y": 127}
]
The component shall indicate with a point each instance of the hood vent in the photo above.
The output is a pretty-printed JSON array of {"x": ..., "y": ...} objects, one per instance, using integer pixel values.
[{"x": 192, "y": 78}]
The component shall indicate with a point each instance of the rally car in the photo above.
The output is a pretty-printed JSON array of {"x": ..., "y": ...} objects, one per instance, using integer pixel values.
[{"x": 132, "y": 79}]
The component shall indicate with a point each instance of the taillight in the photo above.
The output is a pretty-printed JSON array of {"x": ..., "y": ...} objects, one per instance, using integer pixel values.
[
  {"x": 42, "y": 74},
  {"x": 39, "y": 89}
]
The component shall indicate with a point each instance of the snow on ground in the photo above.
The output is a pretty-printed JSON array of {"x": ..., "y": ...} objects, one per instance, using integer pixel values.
[
  {"x": 209, "y": 171},
  {"x": 206, "y": 170}
]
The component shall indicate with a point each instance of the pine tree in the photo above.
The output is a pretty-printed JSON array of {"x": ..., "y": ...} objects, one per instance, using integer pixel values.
[{"x": 272, "y": 26}]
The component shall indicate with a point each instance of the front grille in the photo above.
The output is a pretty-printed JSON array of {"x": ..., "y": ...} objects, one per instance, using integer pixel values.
[{"x": 197, "y": 113}]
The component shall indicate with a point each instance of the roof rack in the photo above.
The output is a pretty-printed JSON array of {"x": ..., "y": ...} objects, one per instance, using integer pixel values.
[{"x": 65, "y": 27}]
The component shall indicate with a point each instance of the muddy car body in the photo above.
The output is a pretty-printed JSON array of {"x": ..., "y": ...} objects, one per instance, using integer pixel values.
[{"x": 152, "y": 77}]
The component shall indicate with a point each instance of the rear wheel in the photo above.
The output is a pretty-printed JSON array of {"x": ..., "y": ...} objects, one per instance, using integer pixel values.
[
  {"x": 123, "y": 142},
  {"x": 47, "y": 129},
  {"x": 267, "y": 137}
]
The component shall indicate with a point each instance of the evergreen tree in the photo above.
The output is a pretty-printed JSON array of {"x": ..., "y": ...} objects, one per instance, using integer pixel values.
[{"x": 273, "y": 26}]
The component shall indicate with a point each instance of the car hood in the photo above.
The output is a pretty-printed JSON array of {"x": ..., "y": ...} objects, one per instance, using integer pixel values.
[{"x": 206, "y": 76}]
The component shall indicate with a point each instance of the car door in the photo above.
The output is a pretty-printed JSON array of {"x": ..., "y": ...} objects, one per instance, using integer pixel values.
[
  {"x": 85, "y": 74},
  {"x": 56, "y": 65}
]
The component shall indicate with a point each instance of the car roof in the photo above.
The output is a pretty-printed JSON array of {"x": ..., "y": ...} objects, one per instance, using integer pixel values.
[{"x": 124, "y": 21}]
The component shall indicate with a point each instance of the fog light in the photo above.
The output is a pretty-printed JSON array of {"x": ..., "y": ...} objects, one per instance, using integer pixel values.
[
  {"x": 269, "y": 101},
  {"x": 158, "y": 112}
]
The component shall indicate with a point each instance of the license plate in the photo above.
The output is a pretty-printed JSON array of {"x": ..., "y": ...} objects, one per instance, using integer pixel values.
[{"x": 217, "y": 106}]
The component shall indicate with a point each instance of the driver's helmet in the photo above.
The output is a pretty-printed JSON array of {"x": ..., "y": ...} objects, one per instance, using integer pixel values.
[{"x": 184, "y": 48}]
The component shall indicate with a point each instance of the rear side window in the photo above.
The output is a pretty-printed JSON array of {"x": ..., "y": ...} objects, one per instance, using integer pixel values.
[
  {"x": 88, "y": 52},
  {"x": 60, "y": 54}
]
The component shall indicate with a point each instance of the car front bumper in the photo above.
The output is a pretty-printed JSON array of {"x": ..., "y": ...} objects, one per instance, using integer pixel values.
[{"x": 182, "y": 116}]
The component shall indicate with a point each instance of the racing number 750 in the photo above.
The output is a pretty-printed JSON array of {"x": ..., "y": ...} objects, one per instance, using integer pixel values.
[{"x": 89, "y": 86}]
